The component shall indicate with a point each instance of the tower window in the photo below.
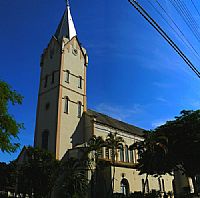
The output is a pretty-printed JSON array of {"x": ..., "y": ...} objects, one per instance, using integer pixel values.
[
  {"x": 45, "y": 82},
  {"x": 67, "y": 76},
  {"x": 66, "y": 108},
  {"x": 53, "y": 77},
  {"x": 45, "y": 140},
  {"x": 79, "y": 109},
  {"x": 80, "y": 82},
  {"x": 47, "y": 106}
]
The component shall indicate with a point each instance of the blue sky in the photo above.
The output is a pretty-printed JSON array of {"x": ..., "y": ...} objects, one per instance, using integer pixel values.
[{"x": 133, "y": 74}]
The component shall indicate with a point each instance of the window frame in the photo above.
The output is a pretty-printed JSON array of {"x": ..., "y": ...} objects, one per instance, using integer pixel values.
[
  {"x": 66, "y": 106},
  {"x": 79, "y": 109},
  {"x": 80, "y": 82},
  {"x": 121, "y": 153},
  {"x": 127, "y": 154},
  {"x": 45, "y": 140},
  {"x": 67, "y": 77}
]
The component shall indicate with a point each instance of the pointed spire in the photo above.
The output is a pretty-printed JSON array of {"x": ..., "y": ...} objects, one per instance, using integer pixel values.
[{"x": 66, "y": 27}]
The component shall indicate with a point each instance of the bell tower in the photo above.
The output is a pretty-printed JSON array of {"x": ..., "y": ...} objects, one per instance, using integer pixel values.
[{"x": 62, "y": 90}]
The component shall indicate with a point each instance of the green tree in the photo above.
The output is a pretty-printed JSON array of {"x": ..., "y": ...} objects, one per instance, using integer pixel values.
[
  {"x": 183, "y": 138},
  {"x": 153, "y": 158},
  {"x": 74, "y": 182},
  {"x": 37, "y": 173},
  {"x": 9, "y": 127},
  {"x": 113, "y": 142},
  {"x": 173, "y": 146},
  {"x": 7, "y": 175}
]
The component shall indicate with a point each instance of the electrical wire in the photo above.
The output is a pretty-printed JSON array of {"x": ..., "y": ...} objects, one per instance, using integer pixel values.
[
  {"x": 177, "y": 27},
  {"x": 188, "y": 14},
  {"x": 184, "y": 16},
  {"x": 195, "y": 8},
  {"x": 188, "y": 44},
  {"x": 145, "y": 14}
]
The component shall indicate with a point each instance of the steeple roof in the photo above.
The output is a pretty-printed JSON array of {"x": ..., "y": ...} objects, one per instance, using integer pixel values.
[{"x": 66, "y": 27}]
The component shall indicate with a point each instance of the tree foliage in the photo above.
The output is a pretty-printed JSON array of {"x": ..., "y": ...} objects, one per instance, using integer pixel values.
[
  {"x": 74, "y": 182},
  {"x": 37, "y": 173},
  {"x": 183, "y": 135},
  {"x": 153, "y": 155},
  {"x": 114, "y": 142},
  {"x": 7, "y": 175},
  {"x": 172, "y": 146},
  {"x": 9, "y": 127}
]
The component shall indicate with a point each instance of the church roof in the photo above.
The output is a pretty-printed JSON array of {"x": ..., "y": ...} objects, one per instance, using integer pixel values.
[
  {"x": 114, "y": 123},
  {"x": 66, "y": 27}
]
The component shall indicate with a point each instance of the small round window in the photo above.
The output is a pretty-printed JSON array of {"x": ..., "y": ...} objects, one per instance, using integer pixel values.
[{"x": 75, "y": 52}]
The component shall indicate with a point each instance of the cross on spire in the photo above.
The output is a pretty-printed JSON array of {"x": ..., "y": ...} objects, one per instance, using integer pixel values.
[{"x": 67, "y": 2}]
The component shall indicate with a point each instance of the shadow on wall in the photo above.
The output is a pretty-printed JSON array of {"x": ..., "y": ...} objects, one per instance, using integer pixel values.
[{"x": 83, "y": 131}]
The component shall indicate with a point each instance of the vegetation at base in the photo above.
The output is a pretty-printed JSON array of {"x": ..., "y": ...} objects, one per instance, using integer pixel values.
[
  {"x": 168, "y": 148},
  {"x": 74, "y": 182},
  {"x": 152, "y": 194},
  {"x": 171, "y": 147},
  {"x": 37, "y": 173},
  {"x": 9, "y": 127}
]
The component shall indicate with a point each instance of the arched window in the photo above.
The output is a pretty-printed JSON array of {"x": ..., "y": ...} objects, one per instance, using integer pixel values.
[
  {"x": 107, "y": 153},
  {"x": 159, "y": 183},
  {"x": 67, "y": 76},
  {"x": 131, "y": 156},
  {"x": 79, "y": 109},
  {"x": 125, "y": 187},
  {"x": 66, "y": 107},
  {"x": 45, "y": 140},
  {"x": 121, "y": 152},
  {"x": 127, "y": 153},
  {"x": 80, "y": 82}
]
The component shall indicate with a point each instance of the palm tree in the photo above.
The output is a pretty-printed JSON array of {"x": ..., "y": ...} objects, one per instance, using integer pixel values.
[
  {"x": 74, "y": 182},
  {"x": 113, "y": 142},
  {"x": 95, "y": 145}
]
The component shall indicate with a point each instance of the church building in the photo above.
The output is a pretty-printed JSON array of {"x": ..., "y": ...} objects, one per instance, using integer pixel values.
[{"x": 64, "y": 123}]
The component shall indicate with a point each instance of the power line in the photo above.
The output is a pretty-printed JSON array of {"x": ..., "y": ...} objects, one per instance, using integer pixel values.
[
  {"x": 176, "y": 26},
  {"x": 144, "y": 13},
  {"x": 189, "y": 22},
  {"x": 195, "y": 8},
  {"x": 190, "y": 17},
  {"x": 188, "y": 44},
  {"x": 186, "y": 17}
]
